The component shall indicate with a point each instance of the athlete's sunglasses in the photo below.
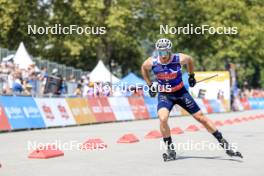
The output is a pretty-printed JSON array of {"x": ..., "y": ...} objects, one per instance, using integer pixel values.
[{"x": 163, "y": 53}]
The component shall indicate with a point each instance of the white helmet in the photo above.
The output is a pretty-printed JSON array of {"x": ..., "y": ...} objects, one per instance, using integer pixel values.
[{"x": 163, "y": 44}]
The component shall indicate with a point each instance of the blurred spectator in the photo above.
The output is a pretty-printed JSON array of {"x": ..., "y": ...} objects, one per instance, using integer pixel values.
[
  {"x": 17, "y": 87},
  {"x": 138, "y": 92},
  {"x": 43, "y": 73},
  {"x": 27, "y": 88},
  {"x": 220, "y": 95},
  {"x": 252, "y": 93},
  {"x": 42, "y": 77},
  {"x": 64, "y": 88},
  {"x": 61, "y": 86},
  {"x": 85, "y": 84},
  {"x": 72, "y": 79},
  {"x": 91, "y": 92},
  {"x": 32, "y": 81},
  {"x": 4, "y": 72},
  {"x": 78, "y": 90},
  {"x": 106, "y": 90}
]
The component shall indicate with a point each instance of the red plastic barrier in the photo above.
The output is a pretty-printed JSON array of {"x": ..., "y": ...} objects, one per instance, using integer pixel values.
[
  {"x": 101, "y": 109},
  {"x": 201, "y": 126},
  {"x": 128, "y": 138},
  {"x": 153, "y": 135},
  {"x": 138, "y": 107},
  {"x": 245, "y": 119},
  {"x": 192, "y": 128},
  {"x": 4, "y": 124},
  {"x": 218, "y": 123},
  {"x": 237, "y": 120},
  {"x": 91, "y": 144},
  {"x": 46, "y": 152},
  {"x": 176, "y": 130},
  {"x": 228, "y": 122},
  {"x": 259, "y": 116},
  {"x": 252, "y": 117}
]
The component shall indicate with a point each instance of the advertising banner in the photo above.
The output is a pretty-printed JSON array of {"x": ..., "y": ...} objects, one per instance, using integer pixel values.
[
  {"x": 101, "y": 109},
  {"x": 151, "y": 104},
  {"x": 4, "y": 124},
  {"x": 50, "y": 117},
  {"x": 121, "y": 108},
  {"x": 80, "y": 110},
  {"x": 62, "y": 110},
  {"x": 14, "y": 112},
  {"x": 201, "y": 105},
  {"x": 245, "y": 103},
  {"x": 31, "y": 112},
  {"x": 217, "y": 87},
  {"x": 138, "y": 107},
  {"x": 215, "y": 105},
  {"x": 208, "y": 106}
]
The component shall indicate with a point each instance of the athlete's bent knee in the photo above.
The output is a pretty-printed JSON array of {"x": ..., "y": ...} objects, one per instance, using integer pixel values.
[
  {"x": 163, "y": 116},
  {"x": 200, "y": 117},
  {"x": 163, "y": 119}
]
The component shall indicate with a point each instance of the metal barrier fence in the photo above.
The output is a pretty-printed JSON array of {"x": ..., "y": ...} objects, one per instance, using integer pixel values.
[
  {"x": 5, "y": 52},
  {"x": 37, "y": 89},
  {"x": 64, "y": 70}
]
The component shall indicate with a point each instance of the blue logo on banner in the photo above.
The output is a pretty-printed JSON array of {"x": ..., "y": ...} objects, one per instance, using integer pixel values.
[
  {"x": 22, "y": 112},
  {"x": 31, "y": 112},
  {"x": 151, "y": 104},
  {"x": 14, "y": 112}
]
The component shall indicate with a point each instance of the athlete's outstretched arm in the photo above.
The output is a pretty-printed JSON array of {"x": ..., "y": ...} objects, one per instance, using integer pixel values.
[
  {"x": 145, "y": 69},
  {"x": 187, "y": 60}
]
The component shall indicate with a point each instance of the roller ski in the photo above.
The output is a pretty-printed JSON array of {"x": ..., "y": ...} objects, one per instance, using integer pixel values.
[
  {"x": 170, "y": 155},
  {"x": 229, "y": 151}
]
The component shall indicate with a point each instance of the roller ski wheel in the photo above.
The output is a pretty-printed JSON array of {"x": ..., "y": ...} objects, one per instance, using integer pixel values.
[
  {"x": 230, "y": 151},
  {"x": 165, "y": 157},
  {"x": 170, "y": 155}
]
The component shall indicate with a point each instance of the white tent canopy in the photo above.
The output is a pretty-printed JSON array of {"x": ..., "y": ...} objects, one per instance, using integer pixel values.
[
  {"x": 8, "y": 58},
  {"x": 22, "y": 58},
  {"x": 101, "y": 74}
]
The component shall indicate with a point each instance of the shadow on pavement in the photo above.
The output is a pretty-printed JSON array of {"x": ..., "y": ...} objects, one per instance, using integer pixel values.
[{"x": 208, "y": 157}]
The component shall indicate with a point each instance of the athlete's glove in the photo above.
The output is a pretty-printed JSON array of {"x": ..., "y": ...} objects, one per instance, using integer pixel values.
[
  {"x": 192, "y": 80},
  {"x": 152, "y": 90}
]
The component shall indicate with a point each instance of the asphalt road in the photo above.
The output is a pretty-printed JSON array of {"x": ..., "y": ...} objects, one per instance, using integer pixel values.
[{"x": 141, "y": 158}]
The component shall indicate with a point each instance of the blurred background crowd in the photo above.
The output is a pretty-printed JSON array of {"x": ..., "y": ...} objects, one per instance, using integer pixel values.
[{"x": 32, "y": 81}]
